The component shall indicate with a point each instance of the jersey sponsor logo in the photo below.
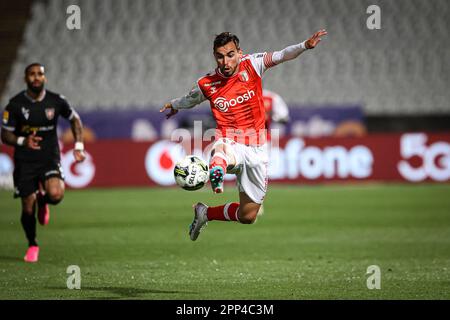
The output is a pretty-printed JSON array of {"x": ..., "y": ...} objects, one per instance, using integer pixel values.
[
  {"x": 50, "y": 113},
  {"x": 223, "y": 104},
  {"x": 29, "y": 129},
  {"x": 26, "y": 113},
  {"x": 243, "y": 76},
  {"x": 212, "y": 84},
  {"x": 5, "y": 117}
]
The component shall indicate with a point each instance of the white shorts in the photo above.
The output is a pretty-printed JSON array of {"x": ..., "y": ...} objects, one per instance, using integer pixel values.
[{"x": 250, "y": 169}]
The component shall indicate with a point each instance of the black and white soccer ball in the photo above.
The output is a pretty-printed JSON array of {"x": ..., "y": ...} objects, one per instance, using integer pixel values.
[{"x": 191, "y": 173}]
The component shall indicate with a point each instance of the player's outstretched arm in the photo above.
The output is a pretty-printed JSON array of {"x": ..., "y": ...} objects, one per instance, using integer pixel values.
[
  {"x": 77, "y": 131},
  {"x": 294, "y": 51},
  {"x": 190, "y": 100}
]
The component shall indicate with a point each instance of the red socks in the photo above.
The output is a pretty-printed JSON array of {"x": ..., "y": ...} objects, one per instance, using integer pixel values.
[{"x": 227, "y": 212}]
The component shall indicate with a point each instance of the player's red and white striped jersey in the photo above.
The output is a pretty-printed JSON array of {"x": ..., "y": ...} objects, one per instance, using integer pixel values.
[{"x": 237, "y": 101}]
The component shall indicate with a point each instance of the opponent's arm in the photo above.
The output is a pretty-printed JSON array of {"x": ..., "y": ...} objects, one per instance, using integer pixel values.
[
  {"x": 77, "y": 131},
  {"x": 190, "y": 100},
  {"x": 31, "y": 141}
]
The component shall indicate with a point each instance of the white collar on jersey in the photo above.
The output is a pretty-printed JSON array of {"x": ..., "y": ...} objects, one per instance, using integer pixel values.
[{"x": 38, "y": 99}]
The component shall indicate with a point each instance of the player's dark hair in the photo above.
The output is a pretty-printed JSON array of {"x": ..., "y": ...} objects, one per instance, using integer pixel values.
[
  {"x": 32, "y": 65},
  {"x": 223, "y": 38}
]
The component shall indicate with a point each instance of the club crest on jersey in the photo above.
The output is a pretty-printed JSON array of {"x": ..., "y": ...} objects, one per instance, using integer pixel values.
[
  {"x": 243, "y": 76},
  {"x": 5, "y": 117},
  {"x": 26, "y": 113},
  {"x": 50, "y": 113}
]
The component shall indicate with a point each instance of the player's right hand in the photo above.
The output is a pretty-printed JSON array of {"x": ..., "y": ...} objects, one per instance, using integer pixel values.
[
  {"x": 32, "y": 141},
  {"x": 172, "y": 112}
]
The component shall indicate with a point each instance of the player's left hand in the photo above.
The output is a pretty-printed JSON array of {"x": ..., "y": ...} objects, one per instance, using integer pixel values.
[
  {"x": 312, "y": 42},
  {"x": 79, "y": 155}
]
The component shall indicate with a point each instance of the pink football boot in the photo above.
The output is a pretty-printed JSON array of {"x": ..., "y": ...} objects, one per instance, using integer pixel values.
[{"x": 32, "y": 254}]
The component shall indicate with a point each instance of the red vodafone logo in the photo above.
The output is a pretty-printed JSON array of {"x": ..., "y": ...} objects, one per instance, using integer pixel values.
[
  {"x": 160, "y": 161},
  {"x": 77, "y": 175}
]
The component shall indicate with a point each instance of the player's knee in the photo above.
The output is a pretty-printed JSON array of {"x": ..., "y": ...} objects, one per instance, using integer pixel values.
[
  {"x": 28, "y": 211},
  {"x": 249, "y": 218},
  {"x": 246, "y": 220},
  {"x": 55, "y": 196}
]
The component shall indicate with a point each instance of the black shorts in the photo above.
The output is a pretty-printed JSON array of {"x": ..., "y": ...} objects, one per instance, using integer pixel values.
[{"x": 27, "y": 176}]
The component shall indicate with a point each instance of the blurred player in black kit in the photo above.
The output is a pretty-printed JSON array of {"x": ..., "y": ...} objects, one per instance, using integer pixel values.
[{"x": 29, "y": 124}]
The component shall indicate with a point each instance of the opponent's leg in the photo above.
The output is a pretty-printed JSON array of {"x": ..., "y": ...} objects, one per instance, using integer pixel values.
[
  {"x": 28, "y": 221},
  {"x": 53, "y": 193}
]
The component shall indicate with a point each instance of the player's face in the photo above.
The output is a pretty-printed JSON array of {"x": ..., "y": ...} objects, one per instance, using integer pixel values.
[
  {"x": 35, "y": 79},
  {"x": 228, "y": 58}
]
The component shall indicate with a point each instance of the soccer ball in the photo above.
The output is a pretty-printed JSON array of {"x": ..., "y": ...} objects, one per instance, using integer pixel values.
[{"x": 191, "y": 173}]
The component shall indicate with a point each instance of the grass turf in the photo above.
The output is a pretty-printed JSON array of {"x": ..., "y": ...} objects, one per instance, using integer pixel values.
[{"x": 311, "y": 243}]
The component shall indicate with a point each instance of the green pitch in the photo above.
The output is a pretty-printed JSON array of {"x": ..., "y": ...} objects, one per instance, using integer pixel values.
[{"x": 311, "y": 243}]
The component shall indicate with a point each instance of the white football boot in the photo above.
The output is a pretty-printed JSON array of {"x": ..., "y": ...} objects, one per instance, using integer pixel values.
[{"x": 200, "y": 220}]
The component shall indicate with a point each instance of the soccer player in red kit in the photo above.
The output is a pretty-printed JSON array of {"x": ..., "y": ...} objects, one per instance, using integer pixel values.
[
  {"x": 276, "y": 109},
  {"x": 234, "y": 90}
]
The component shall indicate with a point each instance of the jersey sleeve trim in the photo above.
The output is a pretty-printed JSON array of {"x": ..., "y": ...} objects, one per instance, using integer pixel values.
[
  {"x": 268, "y": 60},
  {"x": 8, "y": 128},
  {"x": 72, "y": 114}
]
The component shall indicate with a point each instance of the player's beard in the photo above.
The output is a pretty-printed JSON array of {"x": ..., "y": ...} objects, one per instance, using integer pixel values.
[
  {"x": 36, "y": 89},
  {"x": 229, "y": 72}
]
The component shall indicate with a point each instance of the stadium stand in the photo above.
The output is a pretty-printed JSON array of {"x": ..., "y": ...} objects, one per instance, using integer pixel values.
[
  {"x": 13, "y": 18},
  {"x": 141, "y": 53}
]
